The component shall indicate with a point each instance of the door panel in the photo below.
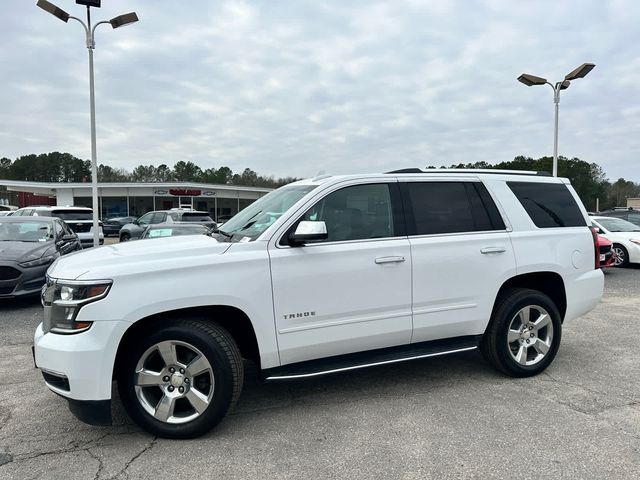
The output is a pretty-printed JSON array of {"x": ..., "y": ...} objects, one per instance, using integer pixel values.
[
  {"x": 335, "y": 298},
  {"x": 455, "y": 284}
]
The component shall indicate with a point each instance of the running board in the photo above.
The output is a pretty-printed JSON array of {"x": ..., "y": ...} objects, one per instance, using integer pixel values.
[{"x": 371, "y": 358}]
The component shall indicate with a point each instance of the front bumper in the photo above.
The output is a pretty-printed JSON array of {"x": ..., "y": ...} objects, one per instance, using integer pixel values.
[
  {"x": 85, "y": 359},
  {"x": 28, "y": 282}
]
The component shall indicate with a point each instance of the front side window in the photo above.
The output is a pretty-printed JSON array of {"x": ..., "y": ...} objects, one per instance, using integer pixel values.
[{"x": 356, "y": 213}]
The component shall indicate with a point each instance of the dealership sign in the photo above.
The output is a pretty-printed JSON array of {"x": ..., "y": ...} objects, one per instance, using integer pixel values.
[{"x": 185, "y": 192}]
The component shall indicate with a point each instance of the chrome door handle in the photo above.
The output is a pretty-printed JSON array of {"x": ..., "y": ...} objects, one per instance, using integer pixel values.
[
  {"x": 381, "y": 260},
  {"x": 487, "y": 250}
]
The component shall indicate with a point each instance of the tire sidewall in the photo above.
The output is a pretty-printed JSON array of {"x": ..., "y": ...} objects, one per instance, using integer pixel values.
[
  {"x": 222, "y": 373},
  {"x": 625, "y": 255},
  {"x": 505, "y": 315}
]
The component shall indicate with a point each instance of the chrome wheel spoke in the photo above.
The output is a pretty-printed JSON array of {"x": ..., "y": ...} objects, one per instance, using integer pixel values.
[
  {"x": 165, "y": 407},
  {"x": 167, "y": 351},
  {"x": 521, "y": 357},
  {"x": 525, "y": 315},
  {"x": 198, "y": 365},
  {"x": 541, "y": 347},
  {"x": 513, "y": 335},
  {"x": 542, "y": 321},
  {"x": 198, "y": 400},
  {"x": 147, "y": 378}
]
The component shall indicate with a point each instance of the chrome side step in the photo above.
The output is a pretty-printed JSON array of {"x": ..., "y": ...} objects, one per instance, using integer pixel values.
[{"x": 344, "y": 363}]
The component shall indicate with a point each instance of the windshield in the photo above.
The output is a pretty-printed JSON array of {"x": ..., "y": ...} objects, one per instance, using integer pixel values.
[
  {"x": 25, "y": 231},
  {"x": 618, "y": 225},
  {"x": 260, "y": 215}
]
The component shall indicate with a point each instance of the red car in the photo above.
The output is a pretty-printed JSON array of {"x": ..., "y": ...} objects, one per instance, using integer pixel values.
[{"x": 606, "y": 252}]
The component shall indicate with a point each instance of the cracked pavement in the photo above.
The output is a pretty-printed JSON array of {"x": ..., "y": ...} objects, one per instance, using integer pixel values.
[{"x": 447, "y": 417}]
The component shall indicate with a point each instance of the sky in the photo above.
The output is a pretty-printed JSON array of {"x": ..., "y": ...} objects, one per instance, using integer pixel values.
[{"x": 296, "y": 87}]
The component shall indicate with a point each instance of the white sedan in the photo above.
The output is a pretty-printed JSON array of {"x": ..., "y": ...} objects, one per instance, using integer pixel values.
[{"x": 625, "y": 237}]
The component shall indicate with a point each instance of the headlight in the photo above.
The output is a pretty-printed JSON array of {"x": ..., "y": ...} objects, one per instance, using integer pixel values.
[
  {"x": 63, "y": 299},
  {"x": 39, "y": 261},
  {"x": 635, "y": 240}
]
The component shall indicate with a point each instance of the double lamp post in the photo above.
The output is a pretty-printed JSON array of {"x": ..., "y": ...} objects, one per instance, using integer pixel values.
[
  {"x": 530, "y": 80},
  {"x": 116, "y": 22}
]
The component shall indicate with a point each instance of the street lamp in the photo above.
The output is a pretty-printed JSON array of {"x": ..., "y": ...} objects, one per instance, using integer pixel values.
[
  {"x": 530, "y": 80},
  {"x": 115, "y": 22}
]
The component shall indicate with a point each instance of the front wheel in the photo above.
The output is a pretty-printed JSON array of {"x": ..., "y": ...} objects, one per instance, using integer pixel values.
[
  {"x": 180, "y": 381},
  {"x": 620, "y": 255},
  {"x": 125, "y": 237},
  {"x": 524, "y": 333}
]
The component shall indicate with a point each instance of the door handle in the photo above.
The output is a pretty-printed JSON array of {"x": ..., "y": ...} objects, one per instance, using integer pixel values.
[
  {"x": 487, "y": 250},
  {"x": 381, "y": 260}
]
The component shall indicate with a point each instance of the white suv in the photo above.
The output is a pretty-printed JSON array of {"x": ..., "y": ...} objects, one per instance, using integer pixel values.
[{"x": 322, "y": 275}]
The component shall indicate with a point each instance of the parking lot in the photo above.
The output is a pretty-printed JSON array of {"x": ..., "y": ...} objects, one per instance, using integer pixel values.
[{"x": 448, "y": 417}]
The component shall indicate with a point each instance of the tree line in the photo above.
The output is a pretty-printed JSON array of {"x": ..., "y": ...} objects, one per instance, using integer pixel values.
[
  {"x": 589, "y": 179},
  {"x": 64, "y": 167}
]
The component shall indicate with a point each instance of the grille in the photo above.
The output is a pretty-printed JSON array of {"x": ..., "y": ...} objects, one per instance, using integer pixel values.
[
  {"x": 9, "y": 273},
  {"x": 605, "y": 249},
  {"x": 80, "y": 227}
]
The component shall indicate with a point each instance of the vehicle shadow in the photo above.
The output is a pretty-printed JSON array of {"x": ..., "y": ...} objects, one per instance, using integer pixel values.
[{"x": 19, "y": 303}]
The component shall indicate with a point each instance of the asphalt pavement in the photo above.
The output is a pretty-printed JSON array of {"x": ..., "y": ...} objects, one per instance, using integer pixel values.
[{"x": 447, "y": 417}]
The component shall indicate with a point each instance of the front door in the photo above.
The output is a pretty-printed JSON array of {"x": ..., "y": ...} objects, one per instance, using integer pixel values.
[{"x": 351, "y": 292}]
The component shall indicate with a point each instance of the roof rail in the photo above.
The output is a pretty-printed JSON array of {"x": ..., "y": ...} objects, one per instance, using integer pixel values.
[{"x": 471, "y": 170}]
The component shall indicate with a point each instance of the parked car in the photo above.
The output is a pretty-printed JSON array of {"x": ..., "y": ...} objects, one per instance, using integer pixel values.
[
  {"x": 625, "y": 237},
  {"x": 78, "y": 219},
  {"x": 134, "y": 230},
  {"x": 607, "y": 256},
  {"x": 323, "y": 275},
  {"x": 28, "y": 246},
  {"x": 112, "y": 225},
  {"x": 7, "y": 210},
  {"x": 161, "y": 230},
  {"x": 625, "y": 213}
]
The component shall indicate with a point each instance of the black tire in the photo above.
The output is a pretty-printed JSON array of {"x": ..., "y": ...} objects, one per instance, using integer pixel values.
[
  {"x": 622, "y": 254},
  {"x": 226, "y": 367},
  {"x": 503, "y": 355},
  {"x": 125, "y": 237}
]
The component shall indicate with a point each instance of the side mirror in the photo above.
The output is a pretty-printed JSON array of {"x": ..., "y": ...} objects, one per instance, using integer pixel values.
[
  {"x": 69, "y": 238},
  {"x": 307, "y": 231}
]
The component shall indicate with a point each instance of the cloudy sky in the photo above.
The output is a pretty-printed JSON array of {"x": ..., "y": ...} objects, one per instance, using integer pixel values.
[{"x": 296, "y": 87}]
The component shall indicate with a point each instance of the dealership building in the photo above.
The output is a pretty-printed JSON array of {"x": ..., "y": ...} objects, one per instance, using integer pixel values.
[{"x": 134, "y": 199}]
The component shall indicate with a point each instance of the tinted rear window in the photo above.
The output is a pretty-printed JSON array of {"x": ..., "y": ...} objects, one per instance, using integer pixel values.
[
  {"x": 195, "y": 217},
  {"x": 548, "y": 204},
  {"x": 68, "y": 214}
]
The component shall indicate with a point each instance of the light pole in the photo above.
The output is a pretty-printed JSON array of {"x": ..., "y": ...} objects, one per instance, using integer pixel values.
[
  {"x": 530, "y": 80},
  {"x": 115, "y": 22}
]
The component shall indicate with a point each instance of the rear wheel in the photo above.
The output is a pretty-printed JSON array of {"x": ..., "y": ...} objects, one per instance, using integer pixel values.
[
  {"x": 620, "y": 255},
  {"x": 524, "y": 333},
  {"x": 180, "y": 381}
]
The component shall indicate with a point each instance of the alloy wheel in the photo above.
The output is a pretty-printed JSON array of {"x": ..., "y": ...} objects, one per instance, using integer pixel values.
[
  {"x": 174, "y": 382},
  {"x": 530, "y": 335}
]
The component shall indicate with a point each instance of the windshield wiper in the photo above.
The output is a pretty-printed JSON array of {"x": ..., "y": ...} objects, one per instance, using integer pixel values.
[{"x": 222, "y": 232}]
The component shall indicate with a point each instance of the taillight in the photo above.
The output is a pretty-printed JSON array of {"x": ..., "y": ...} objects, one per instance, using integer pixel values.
[{"x": 596, "y": 246}]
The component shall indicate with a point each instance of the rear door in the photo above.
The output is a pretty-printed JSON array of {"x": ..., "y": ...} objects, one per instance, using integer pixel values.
[
  {"x": 461, "y": 254},
  {"x": 351, "y": 292}
]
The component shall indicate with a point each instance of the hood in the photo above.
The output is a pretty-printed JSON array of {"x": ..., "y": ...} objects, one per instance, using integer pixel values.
[
  {"x": 157, "y": 254},
  {"x": 23, "y": 251}
]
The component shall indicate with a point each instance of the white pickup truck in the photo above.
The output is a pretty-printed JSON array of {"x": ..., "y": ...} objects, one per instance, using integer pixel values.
[{"x": 322, "y": 275}]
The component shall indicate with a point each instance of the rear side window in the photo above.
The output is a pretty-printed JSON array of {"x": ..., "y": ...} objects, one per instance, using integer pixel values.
[
  {"x": 548, "y": 204},
  {"x": 450, "y": 207}
]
